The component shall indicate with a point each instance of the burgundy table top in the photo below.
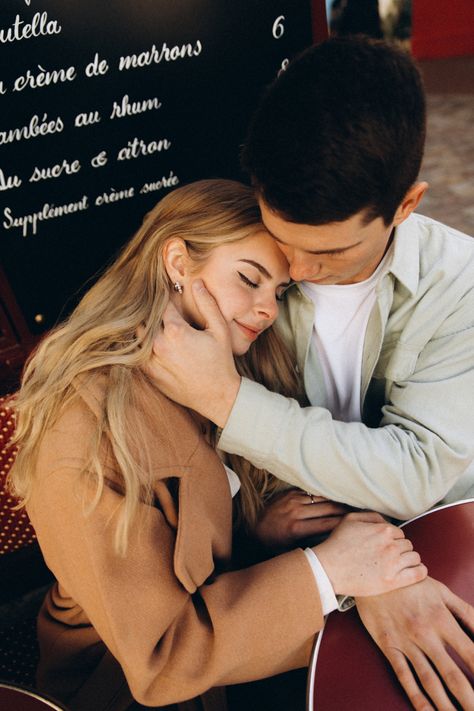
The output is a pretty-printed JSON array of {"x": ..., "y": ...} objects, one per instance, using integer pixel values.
[{"x": 347, "y": 670}]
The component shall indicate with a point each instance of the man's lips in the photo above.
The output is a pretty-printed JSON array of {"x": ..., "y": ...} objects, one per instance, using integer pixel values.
[
  {"x": 250, "y": 331},
  {"x": 317, "y": 280}
]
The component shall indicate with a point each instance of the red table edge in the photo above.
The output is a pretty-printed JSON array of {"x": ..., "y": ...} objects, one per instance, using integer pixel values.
[{"x": 33, "y": 694}]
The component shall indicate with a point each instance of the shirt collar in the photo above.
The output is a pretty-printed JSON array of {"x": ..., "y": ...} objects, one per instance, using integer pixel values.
[{"x": 405, "y": 263}]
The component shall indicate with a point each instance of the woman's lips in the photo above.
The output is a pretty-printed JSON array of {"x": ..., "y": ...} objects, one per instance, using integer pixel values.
[{"x": 248, "y": 331}]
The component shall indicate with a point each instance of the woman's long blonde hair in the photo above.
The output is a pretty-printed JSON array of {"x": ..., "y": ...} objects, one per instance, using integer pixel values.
[{"x": 100, "y": 336}]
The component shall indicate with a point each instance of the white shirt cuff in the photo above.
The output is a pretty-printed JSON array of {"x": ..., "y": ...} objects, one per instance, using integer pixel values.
[{"x": 326, "y": 591}]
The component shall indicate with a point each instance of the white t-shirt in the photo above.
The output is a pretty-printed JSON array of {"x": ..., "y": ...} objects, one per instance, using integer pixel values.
[{"x": 341, "y": 314}]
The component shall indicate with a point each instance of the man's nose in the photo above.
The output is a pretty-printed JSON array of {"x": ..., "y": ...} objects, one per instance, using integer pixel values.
[{"x": 300, "y": 269}]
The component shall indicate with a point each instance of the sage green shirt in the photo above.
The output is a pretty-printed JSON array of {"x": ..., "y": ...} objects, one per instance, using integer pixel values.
[{"x": 415, "y": 445}]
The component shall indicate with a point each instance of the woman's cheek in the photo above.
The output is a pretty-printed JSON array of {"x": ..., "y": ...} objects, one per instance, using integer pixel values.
[{"x": 233, "y": 304}]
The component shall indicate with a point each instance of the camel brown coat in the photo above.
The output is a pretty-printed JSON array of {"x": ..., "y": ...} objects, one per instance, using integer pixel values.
[{"x": 168, "y": 620}]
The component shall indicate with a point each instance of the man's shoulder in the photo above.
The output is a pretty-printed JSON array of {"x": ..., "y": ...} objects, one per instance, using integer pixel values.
[
  {"x": 437, "y": 238},
  {"x": 443, "y": 250}
]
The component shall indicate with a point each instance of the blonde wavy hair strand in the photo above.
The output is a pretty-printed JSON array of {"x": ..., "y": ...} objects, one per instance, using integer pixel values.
[{"x": 100, "y": 336}]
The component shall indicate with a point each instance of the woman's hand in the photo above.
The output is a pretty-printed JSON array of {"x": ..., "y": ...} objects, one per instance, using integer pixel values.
[
  {"x": 293, "y": 515},
  {"x": 414, "y": 627},
  {"x": 365, "y": 555}
]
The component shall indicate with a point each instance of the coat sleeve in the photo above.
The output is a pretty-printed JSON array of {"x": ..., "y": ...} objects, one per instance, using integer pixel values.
[
  {"x": 423, "y": 446},
  {"x": 172, "y": 643}
]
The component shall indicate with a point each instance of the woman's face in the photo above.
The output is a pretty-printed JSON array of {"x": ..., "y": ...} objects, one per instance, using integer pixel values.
[{"x": 246, "y": 278}]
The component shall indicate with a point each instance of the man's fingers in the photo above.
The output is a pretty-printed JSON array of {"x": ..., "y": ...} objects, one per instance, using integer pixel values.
[
  {"x": 207, "y": 306},
  {"x": 453, "y": 677},
  {"x": 407, "y": 680},
  {"x": 366, "y": 516},
  {"x": 171, "y": 324},
  {"x": 172, "y": 315},
  {"x": 462, "y": 610},
  {"x": 460, "y": 642},
  {"x": 430, "y": 681}
]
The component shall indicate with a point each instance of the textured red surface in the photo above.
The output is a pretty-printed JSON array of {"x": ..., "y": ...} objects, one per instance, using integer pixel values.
[
  {"x": 351, "y": 673},
  {"x": 16, "y": 530}
]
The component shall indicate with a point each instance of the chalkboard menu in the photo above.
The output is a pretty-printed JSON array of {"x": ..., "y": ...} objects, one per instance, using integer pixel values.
[{"x": 106, "y": 106}]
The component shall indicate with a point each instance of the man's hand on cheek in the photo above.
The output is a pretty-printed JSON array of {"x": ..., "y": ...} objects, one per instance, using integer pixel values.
[{"x": 196, "y": 368}]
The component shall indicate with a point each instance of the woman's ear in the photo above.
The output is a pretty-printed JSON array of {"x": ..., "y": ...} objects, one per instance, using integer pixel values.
[{"x": 176, "y": 259}]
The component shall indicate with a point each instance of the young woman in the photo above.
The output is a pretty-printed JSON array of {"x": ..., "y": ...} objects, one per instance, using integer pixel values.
[{"x": 133, "y": 506}]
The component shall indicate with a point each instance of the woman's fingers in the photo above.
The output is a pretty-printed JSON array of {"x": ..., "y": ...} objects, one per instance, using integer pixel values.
[
  {"x": 409, "y": 559},
  {"x": 305, "y": 528},
  {"x": 319, "y": 510},
  {"x": 411, "y": 575},
  {"x": 292, "y": 515}
]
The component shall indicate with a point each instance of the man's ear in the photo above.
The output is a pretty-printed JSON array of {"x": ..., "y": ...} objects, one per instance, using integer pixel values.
[
  {"x": 410, "y": 202},
  {"x": 176, "y": 259}
]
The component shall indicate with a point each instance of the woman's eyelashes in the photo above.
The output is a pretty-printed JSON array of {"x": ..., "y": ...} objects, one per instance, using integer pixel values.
[
  {"x": 254, "y": 285},
  {"x": 247, "y": 281}
]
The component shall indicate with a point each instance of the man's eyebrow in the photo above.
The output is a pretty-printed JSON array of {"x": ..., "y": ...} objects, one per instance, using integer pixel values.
[{"x": 336, "y": 250}]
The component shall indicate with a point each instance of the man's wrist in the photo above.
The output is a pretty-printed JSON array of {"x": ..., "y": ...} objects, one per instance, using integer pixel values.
[{"x": 218, "y": 409}]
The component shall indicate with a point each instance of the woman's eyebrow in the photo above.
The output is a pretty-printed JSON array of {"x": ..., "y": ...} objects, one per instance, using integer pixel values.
[{"x": 258, "y": 266}]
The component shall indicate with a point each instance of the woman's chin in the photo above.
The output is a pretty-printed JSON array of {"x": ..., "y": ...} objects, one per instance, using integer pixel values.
[{"x": 240, "y": 349}]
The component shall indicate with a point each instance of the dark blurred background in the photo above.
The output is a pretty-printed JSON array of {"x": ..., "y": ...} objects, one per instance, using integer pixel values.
[{"x": 439, "y": 34}]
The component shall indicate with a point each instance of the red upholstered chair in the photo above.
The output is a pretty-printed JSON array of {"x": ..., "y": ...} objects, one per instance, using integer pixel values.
[
  {"x": 16, "y": 530},
  {"x": 23, "y": 573}
]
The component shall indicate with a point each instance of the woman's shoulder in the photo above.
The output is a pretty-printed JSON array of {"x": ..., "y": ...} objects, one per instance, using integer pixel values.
[
  {"x": 152, "y": 420},
  {"x": 170, "y": 429},
  {"x": 158, "y": 431}
]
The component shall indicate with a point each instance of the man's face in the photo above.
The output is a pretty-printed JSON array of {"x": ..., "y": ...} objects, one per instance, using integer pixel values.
[{"x": 336, "y": 253}]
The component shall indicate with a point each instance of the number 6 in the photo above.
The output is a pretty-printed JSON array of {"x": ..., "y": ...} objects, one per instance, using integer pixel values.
[{"x": 278, "y": 28}]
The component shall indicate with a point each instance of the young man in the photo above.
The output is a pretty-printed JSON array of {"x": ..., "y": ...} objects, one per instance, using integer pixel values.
[{"x": 382, "y": 323}]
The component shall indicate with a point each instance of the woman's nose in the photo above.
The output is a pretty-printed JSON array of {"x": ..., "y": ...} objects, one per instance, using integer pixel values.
[{"x": 268, "y": 308}]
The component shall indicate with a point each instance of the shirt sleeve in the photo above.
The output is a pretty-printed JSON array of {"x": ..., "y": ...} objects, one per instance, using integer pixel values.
[{"x": 423, "y": 446}]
